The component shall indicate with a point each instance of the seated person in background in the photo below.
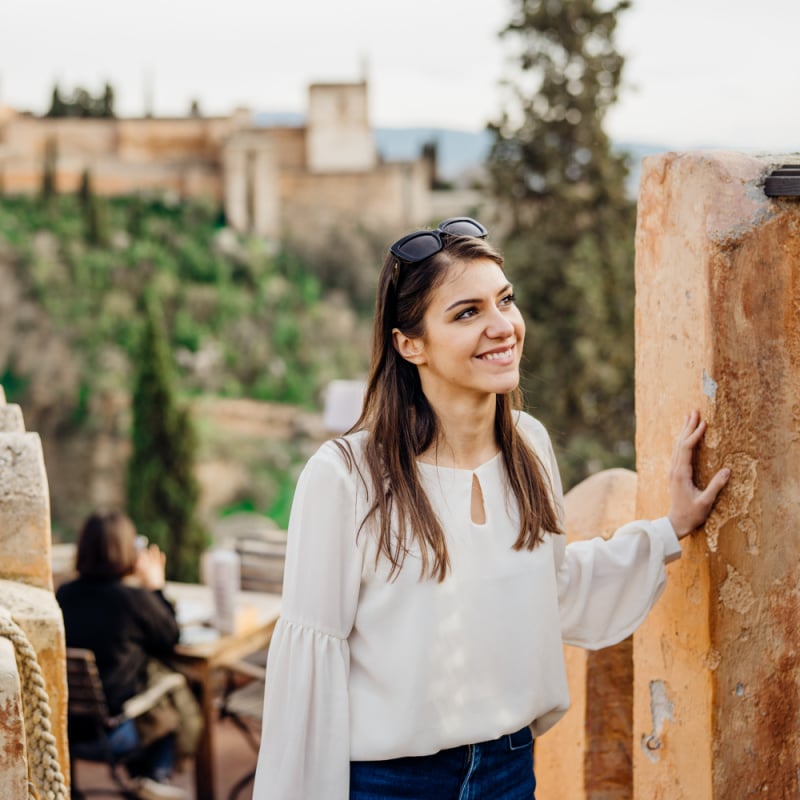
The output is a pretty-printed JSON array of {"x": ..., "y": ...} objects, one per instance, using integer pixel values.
[{"x": 130, "y": 626}]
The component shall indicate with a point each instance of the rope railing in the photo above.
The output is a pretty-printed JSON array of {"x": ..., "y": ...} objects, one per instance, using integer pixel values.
[{"x": 45, "y": 777}]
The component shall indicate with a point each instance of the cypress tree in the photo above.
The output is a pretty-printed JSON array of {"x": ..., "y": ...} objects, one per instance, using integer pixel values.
[
  {"x": 57, "y": 105},
  {"x": 95, "y": 222},
  {"x": 49, "y": 168},
  {"x": 569, "y": 247},
  {"x": 106, "y": 102},
  {"x": 162, "y": 491}
]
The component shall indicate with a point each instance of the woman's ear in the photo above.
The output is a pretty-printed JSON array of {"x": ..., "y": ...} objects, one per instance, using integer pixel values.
[{"x": 410, "y": 348}]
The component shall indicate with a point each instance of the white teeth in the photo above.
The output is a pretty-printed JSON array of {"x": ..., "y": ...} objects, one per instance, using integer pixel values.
[{"x": 494, "y": 356}]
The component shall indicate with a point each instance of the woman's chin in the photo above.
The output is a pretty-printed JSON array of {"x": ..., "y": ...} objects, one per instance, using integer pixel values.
[{"x": 508, "y": 385}]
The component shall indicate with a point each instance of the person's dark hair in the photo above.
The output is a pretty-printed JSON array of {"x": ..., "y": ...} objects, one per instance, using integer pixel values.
[
  {"x": 401, "y": 423},
  {"x": 107, "y": 546}
]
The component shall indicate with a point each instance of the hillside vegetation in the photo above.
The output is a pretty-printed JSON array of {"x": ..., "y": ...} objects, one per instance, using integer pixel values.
[{"x": 243, "y": 321}]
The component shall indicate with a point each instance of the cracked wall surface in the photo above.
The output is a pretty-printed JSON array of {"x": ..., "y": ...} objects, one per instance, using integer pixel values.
[{"x": 718, "y": 329}]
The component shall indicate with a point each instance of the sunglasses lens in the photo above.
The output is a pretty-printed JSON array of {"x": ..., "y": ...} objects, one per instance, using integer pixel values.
[
  {"x": 417, "y": 246},
  {"x": 463, "y": 226}
]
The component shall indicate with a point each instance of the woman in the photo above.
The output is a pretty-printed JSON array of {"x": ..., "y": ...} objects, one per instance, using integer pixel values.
[
  {"x": 428, "y": 588},
  {"x": 128, "y": 626}
]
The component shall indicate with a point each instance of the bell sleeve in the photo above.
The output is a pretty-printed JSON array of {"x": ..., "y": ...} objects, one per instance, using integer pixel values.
[
  {"x": 606, "y": 587},
  {"x": 305, "y": 742}
]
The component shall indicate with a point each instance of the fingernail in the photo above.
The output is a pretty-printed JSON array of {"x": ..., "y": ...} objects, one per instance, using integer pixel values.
[{"x": 726, "y": 473}]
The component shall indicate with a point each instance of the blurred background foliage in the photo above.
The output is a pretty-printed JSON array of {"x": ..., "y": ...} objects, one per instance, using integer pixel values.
[
  {"x": 241, "y": 318},
  {"x": 569, "y": 242}
]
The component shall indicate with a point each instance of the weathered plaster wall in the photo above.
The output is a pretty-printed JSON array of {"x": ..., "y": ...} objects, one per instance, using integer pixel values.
[
  {"x": 587, "y": 756},
  {"x": 717, "y": 664}
]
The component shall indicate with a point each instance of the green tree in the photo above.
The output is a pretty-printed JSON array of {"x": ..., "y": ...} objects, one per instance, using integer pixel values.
[
  {"x": 106, "y": 102},
  {"x": 569, "y": 246},
  {"x": 95, "y": 222},
  {"x": 82, "y": 103},
  {"x": 49, "y": 168},
  {"x": 162, "y": 491},
  {"x": 57, "y": 105}
]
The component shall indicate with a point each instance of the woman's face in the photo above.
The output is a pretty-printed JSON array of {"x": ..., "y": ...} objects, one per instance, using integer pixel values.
[{"x": 473, "y": 336}]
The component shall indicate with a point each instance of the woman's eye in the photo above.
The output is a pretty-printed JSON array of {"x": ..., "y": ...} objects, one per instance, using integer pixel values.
[
  {"x": 467, "y": 312},
  {"x": 508, "y": 300}
]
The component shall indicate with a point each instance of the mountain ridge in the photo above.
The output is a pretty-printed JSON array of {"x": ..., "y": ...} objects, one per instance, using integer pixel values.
[{"x": 458, "y": 151}]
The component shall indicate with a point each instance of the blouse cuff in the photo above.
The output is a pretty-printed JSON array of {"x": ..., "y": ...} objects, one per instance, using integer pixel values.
[{"x": 664, "y": 531}]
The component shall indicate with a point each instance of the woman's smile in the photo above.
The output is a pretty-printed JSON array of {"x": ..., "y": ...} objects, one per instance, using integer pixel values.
[{"x": 502, "y": 356}]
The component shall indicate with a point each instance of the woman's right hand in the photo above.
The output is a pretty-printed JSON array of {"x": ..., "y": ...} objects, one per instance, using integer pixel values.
[{"x": 150, "y": 568}]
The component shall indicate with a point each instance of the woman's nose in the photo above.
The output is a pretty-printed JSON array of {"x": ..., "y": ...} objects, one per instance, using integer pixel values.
[{"x": 499, "y": 325}]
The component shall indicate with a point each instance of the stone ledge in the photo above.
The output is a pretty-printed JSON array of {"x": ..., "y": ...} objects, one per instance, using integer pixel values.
[
  {"x": 25, "y": 539},
  {"x": 11, "y": 418}
]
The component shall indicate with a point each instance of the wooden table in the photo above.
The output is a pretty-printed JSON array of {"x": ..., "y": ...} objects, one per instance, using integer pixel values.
[{"x": 258, "y": 612}]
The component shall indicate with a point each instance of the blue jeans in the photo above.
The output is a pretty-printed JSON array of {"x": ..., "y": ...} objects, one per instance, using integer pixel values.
[
  {"x": 156, "y": 762},
  {"x": 498, "y": 770}
]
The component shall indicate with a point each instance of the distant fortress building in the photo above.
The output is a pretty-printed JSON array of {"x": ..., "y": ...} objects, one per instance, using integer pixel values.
[{"x": 282, "y": 182}]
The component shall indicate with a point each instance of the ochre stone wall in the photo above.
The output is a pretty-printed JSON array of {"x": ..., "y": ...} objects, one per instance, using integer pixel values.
[
  {"x": 587, "y": 755},
  {"x": 393, "y": 196},
  {"x": 717, "y": 663},
  {"x": 272, "y": 181}
]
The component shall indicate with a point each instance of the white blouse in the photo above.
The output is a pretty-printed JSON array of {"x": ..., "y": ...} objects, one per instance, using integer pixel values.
[{"x": 361, "y": 668}]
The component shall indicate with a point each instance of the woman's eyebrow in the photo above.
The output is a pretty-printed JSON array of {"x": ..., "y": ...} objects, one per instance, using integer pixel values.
[{"x": 472, "y": 301}]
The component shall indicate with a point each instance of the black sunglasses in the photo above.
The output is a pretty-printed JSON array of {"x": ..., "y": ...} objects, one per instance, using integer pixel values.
[{"x": 418, "y": 246}]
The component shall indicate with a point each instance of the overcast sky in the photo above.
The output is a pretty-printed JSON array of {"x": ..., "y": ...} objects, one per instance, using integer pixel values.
[{"x": 698, "y": 72}]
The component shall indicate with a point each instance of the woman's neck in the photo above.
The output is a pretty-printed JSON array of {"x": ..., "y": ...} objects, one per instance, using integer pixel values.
[{"x": 466, "y": 435}]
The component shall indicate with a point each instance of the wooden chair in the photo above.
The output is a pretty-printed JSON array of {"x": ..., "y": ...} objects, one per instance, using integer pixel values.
[
  {"x": 261, "y": 559},
  {"x": 244, "y": 707},
  {"x": 90, "y": 723}
]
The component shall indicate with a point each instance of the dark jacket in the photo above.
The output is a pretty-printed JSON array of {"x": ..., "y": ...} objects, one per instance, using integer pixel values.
[{"x": 123, "y": 625}]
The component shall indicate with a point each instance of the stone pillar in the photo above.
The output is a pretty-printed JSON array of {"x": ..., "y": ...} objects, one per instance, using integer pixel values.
[
  {"x": 251, "y": 183},
  {"x": 717, "y": 663},
  {"x": 235, "y": 186},
  {"x": 26, "y": 584},
  {"x": 587, "y": 755},
  {"x": 24, "y": 503},
  {"x": 13, "y": 764}
]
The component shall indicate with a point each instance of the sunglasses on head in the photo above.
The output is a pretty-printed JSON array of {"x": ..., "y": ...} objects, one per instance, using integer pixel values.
[{"x": 418, "y": 246}]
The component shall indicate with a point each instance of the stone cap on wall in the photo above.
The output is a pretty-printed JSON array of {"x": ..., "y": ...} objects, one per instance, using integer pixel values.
[{"x": 10, "y": 417}]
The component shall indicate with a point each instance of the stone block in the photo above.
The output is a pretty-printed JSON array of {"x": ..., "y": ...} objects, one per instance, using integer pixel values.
[
  {"x": 11, "y": 418},
  {"x": 587, "y": 756},
  {"x": 37, "y": 613},
  {"x": 25, "y": 539},
  {"x": 13, "y": 763},
  {"x": 717, "y": 664}
]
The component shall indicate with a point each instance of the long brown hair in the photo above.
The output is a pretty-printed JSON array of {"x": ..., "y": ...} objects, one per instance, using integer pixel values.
[{"x": 401, "y": 423}]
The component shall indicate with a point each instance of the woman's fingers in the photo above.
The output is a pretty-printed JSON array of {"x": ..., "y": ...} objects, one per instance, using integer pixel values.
[
  {"x": 690, "y": 434},
  {"x": 694, "y": 436},
  {"x": 709, "y": 494},
  {"x": 689, "y": 505}
]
